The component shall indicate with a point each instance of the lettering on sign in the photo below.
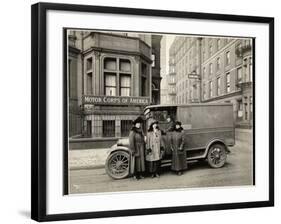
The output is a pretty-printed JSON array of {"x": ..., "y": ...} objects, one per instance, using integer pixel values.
[{"x": 113, "y": 100}]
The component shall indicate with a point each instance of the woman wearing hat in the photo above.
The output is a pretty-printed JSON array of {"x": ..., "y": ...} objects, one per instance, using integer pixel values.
[
  {"x": 178, "y": 153},
  {"x": 137, "y": 147},
  {"x": 154, "y": 147}
]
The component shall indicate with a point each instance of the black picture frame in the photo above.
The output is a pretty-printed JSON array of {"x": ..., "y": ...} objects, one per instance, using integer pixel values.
[{"x": 39, "y": 108}]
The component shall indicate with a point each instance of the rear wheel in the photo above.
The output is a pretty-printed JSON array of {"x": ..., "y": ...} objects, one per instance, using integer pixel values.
[
  {"x": 117, "y": 165},
  {"x": 217, "y": 156}
]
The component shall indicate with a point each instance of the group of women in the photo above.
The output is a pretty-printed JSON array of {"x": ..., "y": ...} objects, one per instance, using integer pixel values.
[{"x": 147, "y": 154}]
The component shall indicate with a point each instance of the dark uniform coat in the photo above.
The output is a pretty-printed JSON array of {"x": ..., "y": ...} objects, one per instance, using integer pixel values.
[
  {"x": 137, "y": 147},
  {"x": 178, "y": 152},
  {"x": 169, "y": 130}
]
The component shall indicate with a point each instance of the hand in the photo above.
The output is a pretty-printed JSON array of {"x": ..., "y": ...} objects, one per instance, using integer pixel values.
[{"x": 148, "y": 151}]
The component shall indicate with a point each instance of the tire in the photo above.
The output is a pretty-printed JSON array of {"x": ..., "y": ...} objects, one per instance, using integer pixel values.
[
  {"x": 118, "y": 164},
  {"x": 217, "y": 156}
]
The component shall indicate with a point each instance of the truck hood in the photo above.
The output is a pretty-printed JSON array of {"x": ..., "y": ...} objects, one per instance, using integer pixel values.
[{"x": 123, "y": 142}]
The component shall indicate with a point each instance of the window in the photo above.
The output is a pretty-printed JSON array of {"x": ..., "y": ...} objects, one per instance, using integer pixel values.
[
  {"x": 239, "y": 75},
  {"x": 110, "y": 64},
  {"x": 153, "y": 60},
  {"x": 125, "y": 65},
  {"x": 144, "y": 78},
  {"x": 117, "y": 69},
  {"x": 211, "y": 69},
  {"x": 227, "y": 58},
  {"x": 211, "y": 49},
  {"x": 204, "y": 72},
  {"x": 211, "y": 89},
  {"x": 89, "y": 63},
  {"x": 246, "y": 108},
  {"x": 204, "y": 91},
  {"x": 143, "y": 86},
  {"x": 228, "y": 82},
  {"x": 251, "y": 104},
  {"x": 218, "y": 43},
  {"x": 110, "y": 84},
  {"x": 126, "y": 127},
  {"x": 204, "y": 56},
  {"x": 251, "y": 69},
  {"x": 89, "y": 83},
  {"x": 239, "y": 49},
  {"x": 125, "y": 85},
  {"x": 219, "y": 86},
  {"x": 108, "y": 128},
  {"x": 245, "y": 64},
  {"x": 218, "y": 63},
  {"x": 240, "y": 109}
]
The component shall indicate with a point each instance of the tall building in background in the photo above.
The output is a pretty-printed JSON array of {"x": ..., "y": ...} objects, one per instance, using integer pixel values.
[
  {"x": 172, "y": 75},
  {"x": 156, "y": 69},
  {"x": 213, "y": 70}
]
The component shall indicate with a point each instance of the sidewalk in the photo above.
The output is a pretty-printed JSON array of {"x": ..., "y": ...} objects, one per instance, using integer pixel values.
[{"x": 87, "y": 158}]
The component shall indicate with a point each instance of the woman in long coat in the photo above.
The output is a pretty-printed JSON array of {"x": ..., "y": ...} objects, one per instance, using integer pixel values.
[
  {"x": 137, "y": 147},
  {"x": 178, "y": 153},
  {"x": 169, "y": 130},
  {"x": 154, "y": 149}
]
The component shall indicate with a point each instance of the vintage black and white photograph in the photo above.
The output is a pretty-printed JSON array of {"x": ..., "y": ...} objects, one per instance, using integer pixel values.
[{"x": 152, "y": 111}]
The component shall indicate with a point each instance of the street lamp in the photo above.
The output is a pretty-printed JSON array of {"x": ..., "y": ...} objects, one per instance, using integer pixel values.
[{"x": 194, "y": 74}]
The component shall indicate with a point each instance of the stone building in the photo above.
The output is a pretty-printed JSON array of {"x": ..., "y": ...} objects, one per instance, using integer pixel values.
[
  {"x": 215, "y": 70},
  {"x": 119, "y": 76}
]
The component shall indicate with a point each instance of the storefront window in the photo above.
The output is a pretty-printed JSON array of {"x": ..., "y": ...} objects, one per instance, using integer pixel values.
[{"x": 108, "y": 128}]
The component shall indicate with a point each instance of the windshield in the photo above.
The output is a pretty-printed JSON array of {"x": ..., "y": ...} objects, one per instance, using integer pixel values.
[{"x": 160, "y": 114}]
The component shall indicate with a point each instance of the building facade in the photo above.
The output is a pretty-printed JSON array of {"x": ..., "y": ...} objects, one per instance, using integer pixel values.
[
  {"x": 215, "y": 70},
  {"x": 117, "y": 74}
]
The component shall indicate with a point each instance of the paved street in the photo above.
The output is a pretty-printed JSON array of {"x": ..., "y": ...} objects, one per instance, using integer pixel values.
[{"x": 237, "y": 171}]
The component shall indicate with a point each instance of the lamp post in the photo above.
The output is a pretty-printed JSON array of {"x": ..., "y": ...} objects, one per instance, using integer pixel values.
[
  {"x": 194, "y": 74},
  {"x": 197, "y": 77}
]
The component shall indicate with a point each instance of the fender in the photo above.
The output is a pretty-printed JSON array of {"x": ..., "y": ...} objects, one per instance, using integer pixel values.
[
  {"x": 214, "y": 141},
  {"x": 120, "y": 148}
]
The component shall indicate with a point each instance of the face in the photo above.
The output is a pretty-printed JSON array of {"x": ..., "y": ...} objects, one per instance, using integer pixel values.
[
  {"x": 178, "y": 126},
  {"x": 154, "y": 126},
  {"x": 168, "y": 119},
  {"x": 138, "y": 125}
]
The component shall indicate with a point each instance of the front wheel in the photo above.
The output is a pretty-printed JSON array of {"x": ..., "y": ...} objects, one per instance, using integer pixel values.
[
  {"x": 217, "y": 156},
  {"x": 117, "y": 165}
]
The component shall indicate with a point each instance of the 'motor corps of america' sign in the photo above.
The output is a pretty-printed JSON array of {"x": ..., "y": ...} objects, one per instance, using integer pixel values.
[{"x": 116, "y": 100}]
